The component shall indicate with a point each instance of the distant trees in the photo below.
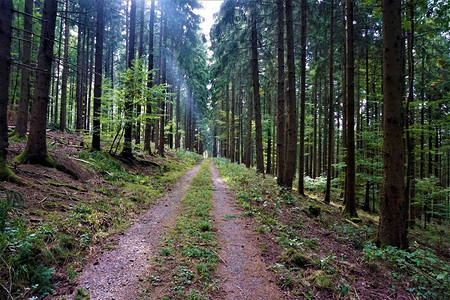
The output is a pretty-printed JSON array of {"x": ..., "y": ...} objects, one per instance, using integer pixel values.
[{"x": 342, "y": 98}]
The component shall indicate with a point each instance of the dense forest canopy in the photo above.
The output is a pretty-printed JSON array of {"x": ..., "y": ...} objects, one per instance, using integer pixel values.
[{"x": 347, "y": 100}]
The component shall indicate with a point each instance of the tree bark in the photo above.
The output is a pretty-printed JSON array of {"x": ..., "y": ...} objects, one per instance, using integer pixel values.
[
  {"x": 291, "y": 138},
  {"x": 6, "y": 11},
  {"x": 392, "y": 228},
  {"x": 301, "y": 156},
  {"x": 281, "y": 119},
  {"x": 127, "y": 144},
  {"x": 330, "y": 109},
  {"x": 65, "y": 73},
  {"x": 256, "y": 94},
  {"x": 25, "y": 87},
  {"x": 233, "y": 123},
  {"x": 36, "y": 148},
  {"x": 98, "y": 75},
  {"x": 350, "y": 187},
  {"x": 148, "y": 122},
  {"x": 140, "y": 55}
]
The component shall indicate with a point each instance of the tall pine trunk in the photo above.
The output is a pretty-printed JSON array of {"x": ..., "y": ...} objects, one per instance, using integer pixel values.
[
  {"x": 98, "y": 75},
  {"x": 127, "y": 145},
  {"x": 281, "y": 119},
  {"x": 301, "y": 157},
  {"x": 148, "y": 122},
  {"x": 291, "y": 138},
  {"x": 350, "y": 182},
  {"x": 36, "y": 148},
  {"x": 65, "y": 73},
  {"x": 25, "y": 86},
  {"x": 256, "y": 94},
  {"x": 392, "y": 228},
  {"x": 6, "y": 10},
  {"x": 330, "y": 109}
]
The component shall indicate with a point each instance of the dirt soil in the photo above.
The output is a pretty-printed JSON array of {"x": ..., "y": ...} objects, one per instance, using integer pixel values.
[
  {"x": 244, "y": 272},
  {"x": 116, "y": 274}
]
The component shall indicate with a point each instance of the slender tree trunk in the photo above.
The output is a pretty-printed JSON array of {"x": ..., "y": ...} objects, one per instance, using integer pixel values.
[
  {"x": 393, "y": 207},
  {"x": 233, "y": 137},
  {"x": 248, "y": 132},
  {"x": 127, "y": 144},
  {"x": 330, "y": 109},
  {"x": 148, "y": 122},
  {"x": 291, "y": 150},
  {"x": 79, "y": 90},
  {"x": 36, "y": 148},
  {"x": 301, "y": 157},
  {"x": 178, "y": 116},
  {"x": 140, "y": 55},
  {"x": 65, "y": 73},
  {"x": 163, "y": 80},
  {"x": 410, "y": 169},
  {"x": 281, "y": 119},
  {"x": 98, "y": 75},
  {"x": 6, "y": 11},
  {"x": 256, "y": 94},
  {"x": 25, "y": 87},
  {"x": 350, "y": 188}
]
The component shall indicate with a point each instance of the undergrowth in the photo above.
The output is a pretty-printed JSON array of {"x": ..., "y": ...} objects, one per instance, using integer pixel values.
[
  {"x": 30, "y": 252},
  {"x": 188, "y": 254},
  {"x": 298, "y": 268},
  {"x": 428, "y": 273}
]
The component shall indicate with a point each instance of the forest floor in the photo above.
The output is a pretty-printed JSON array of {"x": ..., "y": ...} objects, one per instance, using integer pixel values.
[{"x": 171, "y": 228}]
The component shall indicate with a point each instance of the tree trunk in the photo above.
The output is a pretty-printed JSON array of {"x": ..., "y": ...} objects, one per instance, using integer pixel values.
[
  {"x": 178, "y": 116},
  {"x": 148, "y": 122},
  {"x": 98, "y": 75},
  {"x": 301, "y": 157},
  {"x": 233, "y": 138},
  {"x": 163, "y": 80},
  {"x": 140, "y": 55},
  {"x": 127, "y": 143},
  {"x": 281, "y": 119},
  {"x": 393, "y": 207},
  {"x": 350, "y": 187},
  {"x": 65, "y": 73},
  {"x": 291, "y": 149},
  {"x": 36, "y": 148},
  {"x": 248, "y": 132},
  {"x": 6, "y": 11},
  {"x": 25, "y": 87},
  {"x": 79, "y": 90},
  {"x": 330, "y": 109},
  {"x": 256, "y": 94}
]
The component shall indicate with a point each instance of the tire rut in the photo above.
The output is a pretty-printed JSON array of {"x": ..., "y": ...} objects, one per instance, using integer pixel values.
[
  {"x": 246, "y": 275},
  {"x": 116, "y": 274}
]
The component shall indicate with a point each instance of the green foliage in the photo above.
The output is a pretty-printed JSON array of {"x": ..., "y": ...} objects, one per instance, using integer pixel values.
[
  {"x": 427, "y": 272},
  {"x": 22, "y": 253}
]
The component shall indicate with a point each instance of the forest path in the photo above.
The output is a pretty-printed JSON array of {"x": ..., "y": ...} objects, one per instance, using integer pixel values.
[
  {"x": 117, "y": 273},
  {"x": 246, "y": 274}
]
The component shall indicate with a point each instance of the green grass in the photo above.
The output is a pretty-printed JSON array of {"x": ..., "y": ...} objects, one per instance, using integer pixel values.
[{"x": 193, "y": 260}]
